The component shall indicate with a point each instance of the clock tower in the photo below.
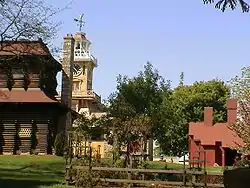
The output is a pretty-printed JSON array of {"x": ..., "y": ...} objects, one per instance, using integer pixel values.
[
  {"x": 77, "y": 89},
  {"x": 84, "y": 99}
]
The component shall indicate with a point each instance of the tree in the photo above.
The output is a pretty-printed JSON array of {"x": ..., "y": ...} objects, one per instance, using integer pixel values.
[
  {"x": 240, "y": 89},
  {"x": 181, "y": 82},
  {"x": 27, "y": 19},
  {"x": 224, "y": 4},
  {"x": 186, "y": 104},
  {"x": 135, "y": 104},
  {"x": 84, "y": 130}
]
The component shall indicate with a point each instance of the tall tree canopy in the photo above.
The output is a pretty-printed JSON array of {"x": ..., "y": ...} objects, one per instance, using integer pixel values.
[
  {"x": 186, "y": 104},
  {"x": 240, "y": 89},
  {"x": 146, "y": 105},
  {"x": 135, "y": 104}
]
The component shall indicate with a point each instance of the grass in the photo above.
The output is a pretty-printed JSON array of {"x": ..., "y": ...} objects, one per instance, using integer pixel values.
[
  {"x": 48, "y": 171},
  {"x": 163, "y": 165},
  {"x": 31, "y": 171}
]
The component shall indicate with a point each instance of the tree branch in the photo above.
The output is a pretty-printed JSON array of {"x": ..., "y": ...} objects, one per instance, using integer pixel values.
[{"x": 224, "y": 4}]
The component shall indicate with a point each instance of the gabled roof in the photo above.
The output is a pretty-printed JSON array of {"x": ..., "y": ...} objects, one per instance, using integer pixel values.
[
  {"x": 209, "y": 135},
  {"x": 31, "y": 96},
  {"x": 24, "y": 47},
  {"x": 10, "y": 50}
]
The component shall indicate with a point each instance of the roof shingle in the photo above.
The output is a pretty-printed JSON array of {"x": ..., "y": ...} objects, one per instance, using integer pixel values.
[{"x": 29, "y": 96}]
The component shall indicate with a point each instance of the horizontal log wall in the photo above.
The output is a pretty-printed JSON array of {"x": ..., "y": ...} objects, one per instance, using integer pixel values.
[
  {"x": 7, "y": 137},
  {"x": 23, "y": 138},
  {"x": 24, "y": 117},
  {"x": 26, "y": 131},
  {"x": 42, "y": 138}
]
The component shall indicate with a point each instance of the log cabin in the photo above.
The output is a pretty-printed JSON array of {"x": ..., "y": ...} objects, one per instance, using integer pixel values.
[{"x": 30, "y": 114}]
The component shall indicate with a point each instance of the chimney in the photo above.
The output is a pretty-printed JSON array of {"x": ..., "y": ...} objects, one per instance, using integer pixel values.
[
  {"x": 67, "y": 77},
  {"x": 208, "y": 116},
  {"x": 231, "y": 111},
  {"x": 67, "y": 67}
]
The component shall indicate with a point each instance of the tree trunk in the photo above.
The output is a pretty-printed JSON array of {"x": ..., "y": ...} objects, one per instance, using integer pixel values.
[
  {"x": 151, "y": 149},
  {"x": 144, "y": 147},
  {"x": 116, "y": 148}
]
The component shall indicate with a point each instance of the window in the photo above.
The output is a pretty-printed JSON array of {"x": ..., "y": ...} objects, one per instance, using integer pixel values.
[
  {"x": 84, "y": 45},
  {"x": 17, "y": 73},
  {"x": 80, "y": 49},
  {"x": 76, "y": 86},
  {"x": 77, "y": 45}
]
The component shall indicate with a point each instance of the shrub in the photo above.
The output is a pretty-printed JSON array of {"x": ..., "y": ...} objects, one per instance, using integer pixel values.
[
  {"x": 244, "y": 163},
  {"x": 59, "y": 144}
]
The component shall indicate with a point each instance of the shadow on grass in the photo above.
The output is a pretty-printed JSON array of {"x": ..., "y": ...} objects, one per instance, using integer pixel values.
[
  {"x": 10, "y": 172},
  {"x": 30, "y": 176},
  {"x": 31, "y": 172},
  {"x": 13, "y": 183}
]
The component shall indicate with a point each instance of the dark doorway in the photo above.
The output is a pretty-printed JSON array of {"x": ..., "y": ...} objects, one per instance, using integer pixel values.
[
  {"x": 229, "y": 156},
  {"x": 218, "y": 153}
]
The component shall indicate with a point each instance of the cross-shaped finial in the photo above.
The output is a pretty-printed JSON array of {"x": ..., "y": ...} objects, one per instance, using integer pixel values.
[{"x": 80, "y": 22}]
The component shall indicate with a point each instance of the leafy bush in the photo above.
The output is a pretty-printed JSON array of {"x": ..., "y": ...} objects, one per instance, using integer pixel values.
[
  {"x": 59, "y": 144},
  {"x": 244, "y": 163},
  {"x": 87, "y": 178}
]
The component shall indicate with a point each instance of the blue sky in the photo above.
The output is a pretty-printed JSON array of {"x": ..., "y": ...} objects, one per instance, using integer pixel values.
[{"x": 174, "y": 36}]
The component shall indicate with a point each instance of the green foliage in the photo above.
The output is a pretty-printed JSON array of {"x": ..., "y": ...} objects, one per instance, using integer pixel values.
[
  {"x": 84, "y": 178},
  {"x": 240, "y": 84},
  {"x": 157, "y": 151},
  {"x": 191, "y": 100},
  {"x": 134, "y": 105},
  {"x": 240, "y": 89},
  {"x": 87, "y": 129},
  {"x": 145, "y": 106},
  {"x": 140, "y": 93},
  {"x": 186, "y": 104},
  {"x": 244, "y": 163},
  {"x": 181, "y": 79},
  {"x": 59, "y": 144}
]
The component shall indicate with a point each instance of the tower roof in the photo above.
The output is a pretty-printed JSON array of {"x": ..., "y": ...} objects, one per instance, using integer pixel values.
[
  {"x": 82, "y": 50},
  {"x": 80, "y": 36}
]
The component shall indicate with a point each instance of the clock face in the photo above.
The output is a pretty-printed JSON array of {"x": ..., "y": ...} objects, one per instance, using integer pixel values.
[{"x": 77, "y": 70}]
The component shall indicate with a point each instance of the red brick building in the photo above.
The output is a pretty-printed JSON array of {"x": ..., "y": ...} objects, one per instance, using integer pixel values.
[{"x": 212, "y": 142}]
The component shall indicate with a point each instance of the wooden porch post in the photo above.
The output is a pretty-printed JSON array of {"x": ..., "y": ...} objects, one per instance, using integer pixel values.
[{"x": 223, "y": 156}]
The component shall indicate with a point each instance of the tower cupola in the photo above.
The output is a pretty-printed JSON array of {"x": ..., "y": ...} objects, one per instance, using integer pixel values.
[{"x": 82, "y": 49}]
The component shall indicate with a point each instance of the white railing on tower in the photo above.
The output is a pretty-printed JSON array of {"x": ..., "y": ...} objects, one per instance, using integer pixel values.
[{"x": 87, "y": 94}]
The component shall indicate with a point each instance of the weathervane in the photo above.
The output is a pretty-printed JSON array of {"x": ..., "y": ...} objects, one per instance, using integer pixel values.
[{"x": 80, "y": 22}]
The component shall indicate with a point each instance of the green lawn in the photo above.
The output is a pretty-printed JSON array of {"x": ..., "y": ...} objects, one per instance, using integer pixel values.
[
  {"x": 163, "y": 165},
  {"x": 47, "y": 171},
  {"x": 31, "y": 171}
]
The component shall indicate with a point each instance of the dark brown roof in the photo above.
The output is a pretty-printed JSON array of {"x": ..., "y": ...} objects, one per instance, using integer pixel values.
[
  {"x": 24, "y": 48},
  {"x": 29, "y": 96}
]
